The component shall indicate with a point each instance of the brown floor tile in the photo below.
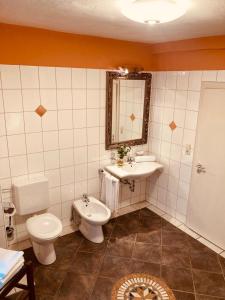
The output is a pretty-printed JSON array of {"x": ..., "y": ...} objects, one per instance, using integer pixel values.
[
  {"x": 206, "y": 260},
  {"x": 203, "y": 297},
  {"x": 128, "y": 217},
  {"x": 211, "y": 284},
  {"x": 103, "y": 288},
  {"x": 174, "y": 238},
  {"x": 64, "y": 258},
  {"x": 145, "y": 212},
  {"x": 44, "y": 297},
  {"x": 76, "y": 287},
  {"x": 145, "y": 267},
  {"x": 178, "y": 278},
  {"x": 24, "y": 295},
  {"x": 108, "y": 227},
  {"x": 71, "y": 241},
  {"x": 147, "y": 252},
  {"x": 195, "y": 245},
  {"x": 89, "y": 246},
  {"x": 183, "y": 296},
  {"x": 121, "y": 231},
  {"x": 222, "y": 262},
  {"x": 175, "y": 256},
  {"x": 152, "y": 237},
  {"x": 120, "y": 247},
  {"x": 139, "y": 243},
  {"x": 86, "y": 263},
  {"x": 48, "y": 281},
  {"x": 148, "y": 224},
  {"x": 17, "y": 296},
  {"x": 132, "y": 226},
  {"x": 115, "y": 267},
  {"x": 30, "y": 256}
]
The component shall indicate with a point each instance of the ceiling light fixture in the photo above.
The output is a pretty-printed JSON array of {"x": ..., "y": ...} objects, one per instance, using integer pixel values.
[{"x": 154, "y": 11}]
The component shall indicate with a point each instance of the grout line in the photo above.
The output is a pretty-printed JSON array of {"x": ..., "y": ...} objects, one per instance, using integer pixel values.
[
  {"x": 222, "y": 269},
  {"x": 192, "y": 274}
]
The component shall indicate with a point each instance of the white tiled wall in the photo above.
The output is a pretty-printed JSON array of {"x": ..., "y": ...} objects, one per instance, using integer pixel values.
[
  {"x": 67, "y": 144},
  {"x": 175, "y": 97}
]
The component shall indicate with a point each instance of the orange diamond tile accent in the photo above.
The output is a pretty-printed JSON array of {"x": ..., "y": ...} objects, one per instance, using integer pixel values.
[
  {"x": 132, "y": 117},
  {"x": 173, "y": 125},
  {"x": 40, "y": 110}
]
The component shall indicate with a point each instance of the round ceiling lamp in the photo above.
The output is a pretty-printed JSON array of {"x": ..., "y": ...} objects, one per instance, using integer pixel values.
[{"x": 154, "y": 11}]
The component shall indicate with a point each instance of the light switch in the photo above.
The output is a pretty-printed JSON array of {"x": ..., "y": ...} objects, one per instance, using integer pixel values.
[{"x": 188, "y": 149}]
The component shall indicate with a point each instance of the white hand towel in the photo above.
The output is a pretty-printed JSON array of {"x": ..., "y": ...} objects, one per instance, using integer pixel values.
[
  {"x": 144, "y": 158},
  {"x": 102, "y": 191},
  {"x": 115, "y": 193},
  {"x": 8, "y": 259},
  {"x": 110, "y": 191}
]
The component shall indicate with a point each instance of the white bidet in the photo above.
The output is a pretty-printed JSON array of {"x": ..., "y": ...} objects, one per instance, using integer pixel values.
[{"x": 93, "y": 214}]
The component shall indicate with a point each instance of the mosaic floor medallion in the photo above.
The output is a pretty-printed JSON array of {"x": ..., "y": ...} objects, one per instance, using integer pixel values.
[{"x": 141, "y": 287}]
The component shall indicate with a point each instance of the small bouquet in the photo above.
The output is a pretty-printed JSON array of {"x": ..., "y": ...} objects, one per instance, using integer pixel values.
[{"x": 122, "y": 151}]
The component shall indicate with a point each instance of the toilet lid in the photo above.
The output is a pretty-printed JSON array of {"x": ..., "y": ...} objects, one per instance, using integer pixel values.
[{"x": 45, "y": 226}]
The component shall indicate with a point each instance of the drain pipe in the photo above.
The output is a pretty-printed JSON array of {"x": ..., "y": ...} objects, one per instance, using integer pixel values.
[{"x": 131, "y": 184}]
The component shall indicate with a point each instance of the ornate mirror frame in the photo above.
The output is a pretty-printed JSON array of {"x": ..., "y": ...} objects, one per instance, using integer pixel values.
[{"x": 109, "y": 96}]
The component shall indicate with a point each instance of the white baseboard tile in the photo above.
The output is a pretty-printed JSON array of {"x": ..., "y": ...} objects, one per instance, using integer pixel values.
[
  {"x": 20, "y": 245},
  {"x": 223, "y": 254},
  {"x": 69, "y": 229},
  {"x": 190, "y": 232},
  {"x": 171, "y": 220},
  {"x": 156, "y": 210},
  {"x": 210, "y": 245}
]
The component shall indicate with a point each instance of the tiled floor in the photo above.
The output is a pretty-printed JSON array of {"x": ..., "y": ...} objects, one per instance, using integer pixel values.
[{"x": 137, "y": 242}]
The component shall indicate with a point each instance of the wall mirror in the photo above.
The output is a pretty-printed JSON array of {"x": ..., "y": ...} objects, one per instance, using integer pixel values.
[{"x": 127, "y": 108}]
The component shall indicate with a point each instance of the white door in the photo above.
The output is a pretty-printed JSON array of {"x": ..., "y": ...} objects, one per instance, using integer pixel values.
[{"x": 206, "y": 212}]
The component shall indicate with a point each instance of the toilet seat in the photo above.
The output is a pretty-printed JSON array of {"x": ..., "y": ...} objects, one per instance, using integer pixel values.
[{"x": 44, "y": 227}]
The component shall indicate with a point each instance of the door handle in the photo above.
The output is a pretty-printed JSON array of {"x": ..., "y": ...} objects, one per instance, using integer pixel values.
[{"x": 200, "y": 168}]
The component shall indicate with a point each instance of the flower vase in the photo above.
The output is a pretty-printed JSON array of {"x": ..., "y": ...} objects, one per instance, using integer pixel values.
[{"x": 120, "y": 162}]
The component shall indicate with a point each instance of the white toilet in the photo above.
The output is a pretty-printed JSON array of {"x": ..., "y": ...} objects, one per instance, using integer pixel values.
[
  {"x": 93, "y": 214},
  {"x": 31, "y": 196}
]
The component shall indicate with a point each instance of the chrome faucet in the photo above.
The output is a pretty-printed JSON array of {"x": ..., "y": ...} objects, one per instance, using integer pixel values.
[
  {"x": 85, "y": 199},
  {"x": 130, "y": 159}
]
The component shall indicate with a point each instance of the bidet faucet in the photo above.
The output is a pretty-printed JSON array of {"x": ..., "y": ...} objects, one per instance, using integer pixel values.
[{"x": 85, "y": 199}]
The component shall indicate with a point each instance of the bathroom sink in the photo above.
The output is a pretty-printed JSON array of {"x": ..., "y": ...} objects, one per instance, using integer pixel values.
[{"x": 134, "y": 170}]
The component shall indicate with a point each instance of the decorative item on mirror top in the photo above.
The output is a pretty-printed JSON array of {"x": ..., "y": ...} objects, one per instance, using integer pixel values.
[{"x": 127, "y": 107}]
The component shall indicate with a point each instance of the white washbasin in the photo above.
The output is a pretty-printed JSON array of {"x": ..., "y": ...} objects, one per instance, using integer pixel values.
[{"x": 134, "y": 170}]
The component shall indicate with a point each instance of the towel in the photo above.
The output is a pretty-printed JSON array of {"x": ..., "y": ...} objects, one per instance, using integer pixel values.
[
  {"x": 8, "y": 259},
  {"x": 12, "y": 272},
  {"x": 110, "y": 191},
  {"x": 144, "y": 158}
]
